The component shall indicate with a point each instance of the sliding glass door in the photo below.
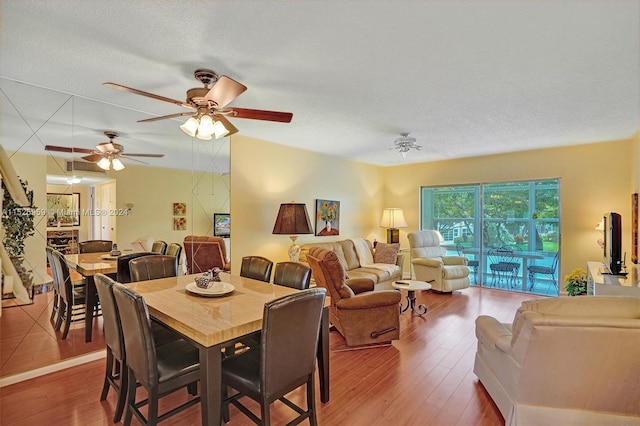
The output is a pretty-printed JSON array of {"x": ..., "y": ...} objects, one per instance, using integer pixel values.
[{"x": 509, "y": 231}]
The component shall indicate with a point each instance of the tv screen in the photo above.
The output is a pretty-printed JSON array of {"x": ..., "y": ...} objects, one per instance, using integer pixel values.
[
  {"x": 221, "y": 225},
  {"x": 612, "y": 255}
]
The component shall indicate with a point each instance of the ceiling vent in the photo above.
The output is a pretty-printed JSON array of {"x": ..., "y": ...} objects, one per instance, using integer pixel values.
[{"x": 83, "y": 166}]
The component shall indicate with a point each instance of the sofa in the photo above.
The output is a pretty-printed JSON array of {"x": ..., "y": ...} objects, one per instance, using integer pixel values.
[
  {"x": 564, "y": 361},
  {"x": 384, "y": 265}
]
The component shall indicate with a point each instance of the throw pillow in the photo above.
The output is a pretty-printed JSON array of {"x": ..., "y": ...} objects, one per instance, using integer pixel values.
[{"x": 386, "y": 253}]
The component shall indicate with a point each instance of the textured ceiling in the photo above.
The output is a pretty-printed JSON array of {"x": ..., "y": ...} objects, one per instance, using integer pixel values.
[{"x": 466, "y": 78}]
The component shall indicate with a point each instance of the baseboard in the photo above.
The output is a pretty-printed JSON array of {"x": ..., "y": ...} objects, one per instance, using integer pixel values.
[{"x": 68, "y": 363}]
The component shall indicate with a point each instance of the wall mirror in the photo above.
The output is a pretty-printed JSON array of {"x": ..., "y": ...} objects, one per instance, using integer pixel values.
[
  {"x": 140, "y": 198},
  {"x": 63, "y": 209}
]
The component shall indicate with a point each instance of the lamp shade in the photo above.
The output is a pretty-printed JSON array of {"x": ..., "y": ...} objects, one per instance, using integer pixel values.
[
  {"x": 393, "y": 218},
  {"x": 292, "y": 219}
]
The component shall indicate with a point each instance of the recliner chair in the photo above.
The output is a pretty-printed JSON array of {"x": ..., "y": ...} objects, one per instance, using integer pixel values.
[
  {"x": 445, "y": 273},
  {"x": 363, "y": 316},
  {"x": 205, "y": 252}
]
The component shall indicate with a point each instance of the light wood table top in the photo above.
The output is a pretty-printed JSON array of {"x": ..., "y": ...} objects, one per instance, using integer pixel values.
[
  {"x": 210, "y": 320},
  {"x": 89, "y": 264}
]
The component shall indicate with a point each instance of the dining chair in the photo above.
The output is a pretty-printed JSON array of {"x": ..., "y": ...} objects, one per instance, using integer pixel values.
[
  {"x": 256, "y": 267},
  {"x": 94, "y": 246},
  {"x": 544, "y": 270},
  {"x": 123, "y": 275},
  {"x": 159, "y": 247},
  {"x": 153, "y": 267},
  {"x": 292, "y": 274},
  {"x": 504, "y": 265},
  {"x": 174, "y": 249},
  {"x": 55, "y": 282},
  {"x": 71, "y": 301},
  {"x": 284, "y": 361},
  {"x": 116, "y": 376},
  {"x": 160, "y": 370}
]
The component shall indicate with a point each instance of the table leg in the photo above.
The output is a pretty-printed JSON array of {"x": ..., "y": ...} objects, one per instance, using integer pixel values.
[
  {"x": 411, "y": 303},
  {"x": 211, "y": 385},
  {"x": 90, "y": 303},
  {"x": 323, "y": 356}
]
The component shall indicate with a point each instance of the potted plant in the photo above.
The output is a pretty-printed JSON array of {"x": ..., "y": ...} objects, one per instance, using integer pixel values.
[
  {"x": 576, "y": 282},
  {"x": 17, "y": 222}
]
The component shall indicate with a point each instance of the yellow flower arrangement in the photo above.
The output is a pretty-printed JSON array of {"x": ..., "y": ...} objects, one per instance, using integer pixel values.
[
  {"x": 328, "y": 211},
  {"x": 576, "y": 282}
]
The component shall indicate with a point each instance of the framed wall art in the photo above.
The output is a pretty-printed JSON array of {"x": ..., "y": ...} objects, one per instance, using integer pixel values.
[
  {"x": 222, "y": 225},
  {"x": 327, "y": 217},
  {"x": 179, "y": 209},
  {"x": 63, "y": 209},
  {"x": 634, "y": 228}
]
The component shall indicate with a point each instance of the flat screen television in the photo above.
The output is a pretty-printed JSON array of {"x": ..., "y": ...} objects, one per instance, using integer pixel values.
[
  {"x": 612, "y": 255},
  {"x": 222, "y": 225}
]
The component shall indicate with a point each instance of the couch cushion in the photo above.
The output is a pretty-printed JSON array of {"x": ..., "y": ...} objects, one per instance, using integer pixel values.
[
  {"x": 386, "y": 253},
  {"x": 455, "y": 271},
  {"x": 350, "y": 255}
]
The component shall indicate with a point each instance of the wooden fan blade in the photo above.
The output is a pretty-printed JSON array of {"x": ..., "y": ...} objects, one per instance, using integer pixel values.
[
  {"x": 93, "y": 158},
  {"x": 163, "y": 117},
  {"x": 142, "y": 155},
  {"x": 67, "y": 149},
  {"x": 224, "y": 91},
  {"x": 107, "y": 147},
  {"x": 147, "y": 94},
  {"x": 230, "y": 127},
  {"x": 259, "y": 114}
]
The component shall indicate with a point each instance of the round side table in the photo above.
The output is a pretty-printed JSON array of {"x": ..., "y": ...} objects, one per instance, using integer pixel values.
[{"x": 412, "y": 286}]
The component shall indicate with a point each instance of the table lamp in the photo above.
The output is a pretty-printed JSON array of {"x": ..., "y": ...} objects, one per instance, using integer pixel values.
[
  {"x": 392, "y": 219},
  {"x": 293, "y": 220}
]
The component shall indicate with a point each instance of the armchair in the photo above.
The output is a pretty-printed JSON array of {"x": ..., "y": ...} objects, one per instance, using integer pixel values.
[
  {"x": 204, "y": 252},
  {"x": 361, "y": 315},
  {"x": 445, "y": 273}
]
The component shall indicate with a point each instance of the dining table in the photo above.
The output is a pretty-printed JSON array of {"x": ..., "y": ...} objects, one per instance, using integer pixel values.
[
  {"x": 216, "y": 321},
  {"x": 88, "y": 265}
]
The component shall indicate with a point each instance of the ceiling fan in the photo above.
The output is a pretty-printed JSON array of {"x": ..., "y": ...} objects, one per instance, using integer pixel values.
[
  {"x": 208, "y": 105},
  {"x": 107, "y": 155},
  {"x": 405, "y": 143}
]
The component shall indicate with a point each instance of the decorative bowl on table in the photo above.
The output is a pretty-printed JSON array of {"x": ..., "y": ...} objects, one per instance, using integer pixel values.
[{"x": 203, "y": 281}]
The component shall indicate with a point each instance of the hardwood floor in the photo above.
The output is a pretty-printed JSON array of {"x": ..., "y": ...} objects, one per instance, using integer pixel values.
[{"x": 425, "y": 378}]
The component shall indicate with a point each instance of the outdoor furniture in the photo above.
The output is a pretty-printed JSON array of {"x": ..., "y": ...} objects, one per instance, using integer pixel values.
[{"x": 549, "y": 270}]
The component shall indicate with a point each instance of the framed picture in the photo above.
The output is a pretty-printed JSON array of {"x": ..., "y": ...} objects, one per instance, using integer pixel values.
[
  {"x": 179, "y": 223},
  {"x": 221, "y": 225},
  {"x": 179, "y": 209},
  {"x": 634, "y": 228},
  {"x": 63, "y": 209},
  {"x": 327, "y": 217}
]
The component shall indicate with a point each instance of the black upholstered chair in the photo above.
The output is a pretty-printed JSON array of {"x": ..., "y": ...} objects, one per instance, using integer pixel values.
[
  {"x": 152, "y": 267},
  {"x": 174, "y": 249},
  {"x": 160, "y": 370},
  {"x": 71, "y": 298},
  {"x": 94, "y": 246},
  {"x": 116, "y": 366},
  {"x": 285, "y": 359},
  {"x": 292, "y": 274},
  {"x": 124, "y": 273},
  {"x": 256, "y": 267},
  {"x": 159, "y": 247}
]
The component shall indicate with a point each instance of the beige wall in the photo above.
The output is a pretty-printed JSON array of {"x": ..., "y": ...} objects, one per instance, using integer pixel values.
[
  {"x": 264, "y": 174},
  {"x": 594, "y": 178}
]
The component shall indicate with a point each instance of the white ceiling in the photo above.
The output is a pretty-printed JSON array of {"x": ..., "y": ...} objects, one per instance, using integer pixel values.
[{"x": 466, "y": 78}]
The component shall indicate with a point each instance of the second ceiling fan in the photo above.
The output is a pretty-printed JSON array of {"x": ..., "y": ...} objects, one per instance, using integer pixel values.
[{"x": 208, "y": 105}]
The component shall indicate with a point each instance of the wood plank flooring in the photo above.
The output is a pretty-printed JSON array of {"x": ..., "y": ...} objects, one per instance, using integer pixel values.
[{"x": 425, "y": 378}]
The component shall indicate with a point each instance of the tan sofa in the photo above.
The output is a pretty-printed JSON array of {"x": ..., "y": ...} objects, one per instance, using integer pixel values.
[
  {"x": 348, "y": 257},
  {"x": 564, "y": 361}
]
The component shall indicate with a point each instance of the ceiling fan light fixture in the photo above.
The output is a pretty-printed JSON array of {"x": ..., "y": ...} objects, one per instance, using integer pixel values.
[
  {"x": 104, "y": 163},
  {"x": 117, "y": 164},
  {"x": 219, "y": 130},
  {"x": 190, "y": 126},
  {"x": 205, "y": 129}
]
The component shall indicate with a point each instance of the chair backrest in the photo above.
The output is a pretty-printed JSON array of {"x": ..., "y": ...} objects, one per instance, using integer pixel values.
[
  {"x": 256, "y": 267},
  {"x": 329, "y": 273},
  {"x": 52, "y": 266},
  {"x": 174, "y": 249},
  {"x": 61, "y": 273},
  {"x": 204, "y": 253},
  {"x": 292, "y": 274},
  {"x": 501, "y": 258},
  {"x": 94, "y": 246},
  {"x": 138, "y": 338},
  {"x": 554, "y": 264},
  {"x": 153, "y": 267},
  {"x": 123, "y": 274},
  {"x": 159, "y": 247},
  {"x": 289, "y": 340},
  {"x": 425, "y": 244},
  {"x": 113, "y": 337}
]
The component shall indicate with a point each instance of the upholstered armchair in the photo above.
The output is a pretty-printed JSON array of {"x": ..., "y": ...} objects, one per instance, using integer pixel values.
[
  {"x": 445, "y": 273},
  {"x": 361, "y": 315},
  {"x": 564, "y": 361},
  {"x": 205, "y": 252}
]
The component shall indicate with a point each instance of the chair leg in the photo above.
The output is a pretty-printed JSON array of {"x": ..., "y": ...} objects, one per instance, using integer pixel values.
[
  {"x": 67, "y": 320},
  {"x": 131, "y": 396},
  {"x": 265, "y": 412},
  {"x": 107, "y": 375},
  {"x": 122, "y": 394},
  {"x": 62, "y": 307},
  {"x": 54, "y": 309},
  {"x": 311, "y": 401}
]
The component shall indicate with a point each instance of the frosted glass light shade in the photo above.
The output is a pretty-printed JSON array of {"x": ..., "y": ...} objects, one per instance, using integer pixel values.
[
  {"x": 190, "y": 126},
  {"x": 117, "y": 164},
  {"x": 205, "y": 129},
  {"x": 219, "y": 130},
  {"x": 104, "y": 163}
]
